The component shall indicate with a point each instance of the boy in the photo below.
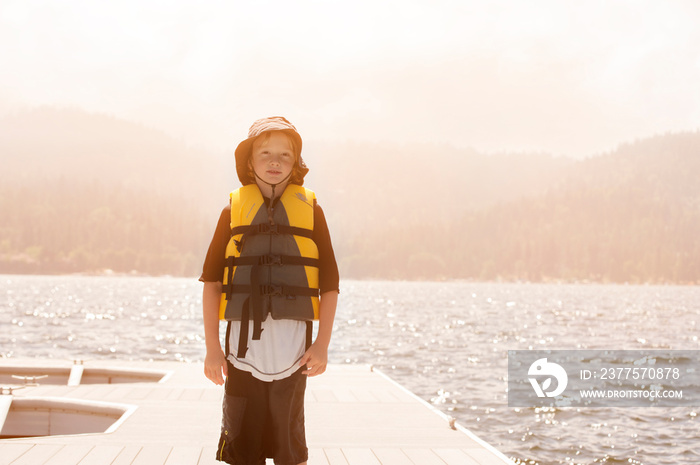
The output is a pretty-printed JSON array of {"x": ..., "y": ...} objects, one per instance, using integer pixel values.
[{"x": 270, "y": 270}]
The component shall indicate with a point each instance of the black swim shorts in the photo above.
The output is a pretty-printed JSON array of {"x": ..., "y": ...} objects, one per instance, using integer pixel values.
[{"x": 263, "y": 419}]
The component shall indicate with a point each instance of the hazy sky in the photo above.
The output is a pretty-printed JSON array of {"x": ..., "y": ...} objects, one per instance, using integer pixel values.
[{"x": 567, "y": 77}]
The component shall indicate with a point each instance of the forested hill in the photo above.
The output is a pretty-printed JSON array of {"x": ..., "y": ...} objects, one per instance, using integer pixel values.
[
  {"x": 82, "y": 193},
  {"x": 628, "y": 216},
  {"x": 51, "y": 143}
]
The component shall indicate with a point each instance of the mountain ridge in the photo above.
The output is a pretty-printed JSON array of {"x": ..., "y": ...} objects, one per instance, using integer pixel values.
[{"x": 395, "y": 210}]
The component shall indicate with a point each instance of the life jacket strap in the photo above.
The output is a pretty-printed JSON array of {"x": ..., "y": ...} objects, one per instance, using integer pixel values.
[
  {"x": 266, "y": 228},
  {"x": 269, "y": 260},
  {"x": 256, "y": 298},
  {"x": 227, "y": 287},
  {"x": 228, "y": 339},
  {"x": 271, "y": 289},
  {"x": 243, "y": 334},
  {"x": 309, "y": 333}
]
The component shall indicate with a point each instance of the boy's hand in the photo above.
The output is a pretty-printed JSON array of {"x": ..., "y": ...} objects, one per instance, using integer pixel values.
[
  {"x": 315, "y": 359},
  {"x": 214, "y": 364}
]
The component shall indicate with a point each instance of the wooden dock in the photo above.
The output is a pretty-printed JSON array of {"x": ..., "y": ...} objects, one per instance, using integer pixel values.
[{"x": 353, "y": 416}]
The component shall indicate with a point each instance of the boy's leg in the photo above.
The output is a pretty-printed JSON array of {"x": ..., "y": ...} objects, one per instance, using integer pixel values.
[
  {"x": 243, "y": 426},
  {"x": 286, "y": 400}
]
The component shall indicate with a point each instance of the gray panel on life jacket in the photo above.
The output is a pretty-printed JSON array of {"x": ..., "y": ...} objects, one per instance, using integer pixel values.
[
  {"x": 290, "y": 307},
  {"x": 281, "y": 306}
]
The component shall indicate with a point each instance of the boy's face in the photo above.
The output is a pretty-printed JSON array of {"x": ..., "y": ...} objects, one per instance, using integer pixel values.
[{"x": 273, "y": 158}]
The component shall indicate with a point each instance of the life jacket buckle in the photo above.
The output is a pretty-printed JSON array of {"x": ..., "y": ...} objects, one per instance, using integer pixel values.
[
  {"x": 270, "y": 289},
  {"x": 264, "y": 228},
  {"x": 271, "y": 260}
]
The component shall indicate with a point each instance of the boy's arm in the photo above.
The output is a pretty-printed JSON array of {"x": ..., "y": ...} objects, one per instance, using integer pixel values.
[
  {"x": 316, "y": 358},
  {"x": 215, "y": 360}
]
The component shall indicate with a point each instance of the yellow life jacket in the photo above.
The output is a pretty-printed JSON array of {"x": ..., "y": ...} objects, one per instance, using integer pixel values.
[{"x": 271, "y": 260}]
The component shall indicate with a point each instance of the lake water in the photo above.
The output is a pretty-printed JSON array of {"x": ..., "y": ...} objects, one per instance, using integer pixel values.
[{"x": 447, "y": 342}]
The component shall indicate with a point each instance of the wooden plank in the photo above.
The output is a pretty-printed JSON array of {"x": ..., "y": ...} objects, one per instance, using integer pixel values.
[
  {"x": 317, "y": 456},
  {"x": 325, "y": 395},
  {"x": 103, "y": 391},
  {"x": 71, "y": 454},
  {"x": 360, "y": 456},
  {"x": 363, "y": 395},
  {"x": 122, "y": 392},
  {"x": 102, "y": 454},
  {"x": 175, "y": 394},
  {"x": 161, "y": 393},
  {"x": 424, "y": 456},
  {"x": 152, "y": 455},
  {"x": 385, "y": 396},
  {"x": 335, "y": 456},
  {"x": 139, "y": 393},
  {"x": 5, "y": 402},
  {"x": 184, "y": 455},
  {"x": 127, "y": 455},
  {"x": 208, "y": 457},
  {"x": 69, "y": 390},
  {"x": 455, "y": 457},
  {"x": 344, "y": 395},
  {"x": 38, "y": 454},
  {"x": 392, "y": 456},
  {"x": 309, "y": 396},
  {"x": 42, "y": 390},
  {"x": 9, "y": 451},
  {"x": 86, "y": 390},
  {"x": 191, "y": 394},
  {"x": 50, "y": 390},
  {"x": 76, "y": 374},
  {"x": 214, "y": 395},
  {"x": 482, "y": 455}
]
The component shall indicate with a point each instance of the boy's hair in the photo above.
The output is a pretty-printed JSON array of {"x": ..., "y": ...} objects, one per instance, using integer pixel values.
[{"x": 260, "y": 128}]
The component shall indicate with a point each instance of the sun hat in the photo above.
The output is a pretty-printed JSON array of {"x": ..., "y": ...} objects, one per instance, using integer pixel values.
[{"x": 272, "y": 123}]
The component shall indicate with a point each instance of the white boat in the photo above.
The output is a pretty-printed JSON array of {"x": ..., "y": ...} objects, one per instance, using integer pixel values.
[
  {"x": 48, "y": 416},
  {"x": 75, "y": 375},
  {"x": 26, "y": 416}
]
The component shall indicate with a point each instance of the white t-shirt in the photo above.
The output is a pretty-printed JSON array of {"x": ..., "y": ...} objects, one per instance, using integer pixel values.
[{"x": 276, "y": 355}]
